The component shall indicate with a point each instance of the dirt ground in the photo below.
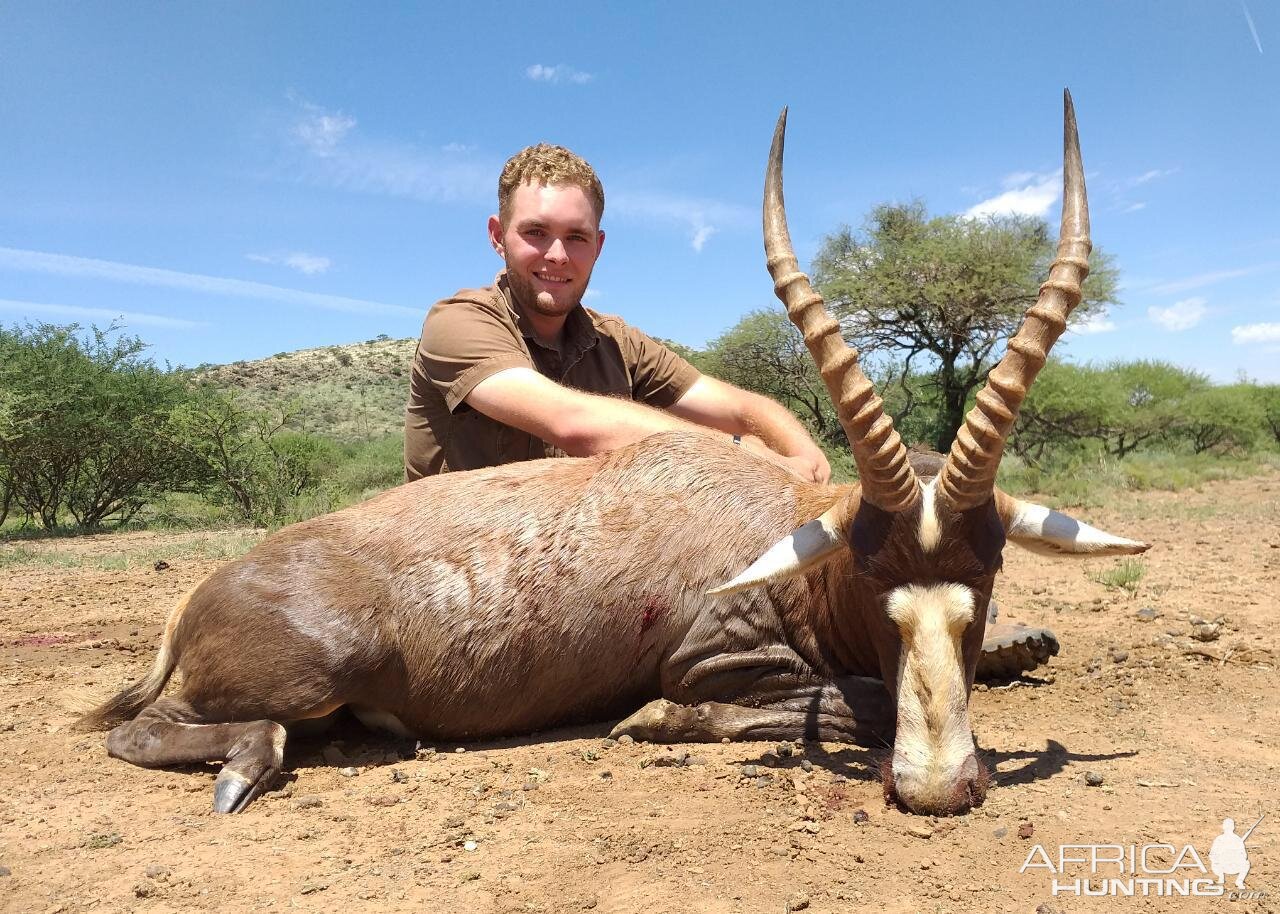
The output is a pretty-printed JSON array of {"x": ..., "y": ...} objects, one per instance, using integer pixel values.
[{"x": 1181, "y": 731}]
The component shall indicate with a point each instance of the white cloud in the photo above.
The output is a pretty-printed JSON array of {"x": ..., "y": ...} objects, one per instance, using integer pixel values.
[
  {"x": 65, "y": 265},
  {"x": 1201, "y": 280},
  {"x": 310, "y": 264},
  {"x": 1255, "y": 333},
  {"x": 701, "y": 218},
  {"x": 1028, "y": 194},
  {"x": 1133, "y": 207},
  {"x": 335, "y": 155},
  {"x": 561, "y": 73},
  {"x": 1151, "y": 175},
  {"x": 129, "y": 318},
  {"x": 1182, "y": 315},
  {"x": 318, "y": 130},
  {"x": 1093, "y": 324}
]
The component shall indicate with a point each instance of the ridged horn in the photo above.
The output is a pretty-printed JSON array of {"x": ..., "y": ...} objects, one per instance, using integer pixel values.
[
  {"x": 888, "y": 482},
  {"x": 969, "y": 476}
]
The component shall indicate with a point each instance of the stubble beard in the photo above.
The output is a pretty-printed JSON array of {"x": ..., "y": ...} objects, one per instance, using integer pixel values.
[{"x": 530, "y": 299}]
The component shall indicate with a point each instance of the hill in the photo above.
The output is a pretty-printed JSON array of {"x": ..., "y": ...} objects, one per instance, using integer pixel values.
[{"x": 352, "y": 392}]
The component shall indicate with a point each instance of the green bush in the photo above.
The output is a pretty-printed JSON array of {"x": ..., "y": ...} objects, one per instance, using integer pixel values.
[{"x": 80, "y": 416}]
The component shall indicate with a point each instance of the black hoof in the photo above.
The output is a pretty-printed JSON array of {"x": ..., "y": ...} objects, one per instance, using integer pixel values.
[
  {"x": 232, "y": 792},
  {"x": 1010, "y": 650}
]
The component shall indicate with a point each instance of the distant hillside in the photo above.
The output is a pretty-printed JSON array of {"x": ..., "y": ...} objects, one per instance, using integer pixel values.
[{"x": 351, "y": 392}]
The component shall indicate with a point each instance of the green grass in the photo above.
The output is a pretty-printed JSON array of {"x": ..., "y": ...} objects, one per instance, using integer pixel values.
[
  {"x": 1125, "y": 575},
  {"x": 214, "y": 546}
]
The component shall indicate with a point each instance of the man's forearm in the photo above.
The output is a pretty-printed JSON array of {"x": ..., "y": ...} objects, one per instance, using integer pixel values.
[{"x": 593, "y": 424}]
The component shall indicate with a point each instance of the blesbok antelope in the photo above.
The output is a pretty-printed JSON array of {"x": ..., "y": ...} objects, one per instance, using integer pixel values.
[{"x": 517, "y": 598}]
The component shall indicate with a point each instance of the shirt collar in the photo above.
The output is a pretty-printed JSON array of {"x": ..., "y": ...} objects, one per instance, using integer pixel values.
[{"x": 580, "y": 332}]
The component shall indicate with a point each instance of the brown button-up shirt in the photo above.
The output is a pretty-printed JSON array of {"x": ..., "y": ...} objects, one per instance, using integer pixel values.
[{"x": 478, "y": 332}]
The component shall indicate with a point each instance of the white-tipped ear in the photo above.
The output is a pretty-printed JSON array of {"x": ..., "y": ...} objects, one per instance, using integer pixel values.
[
  {"x": 809, "y": 544},
  {"x": 1048, "y": 532}
]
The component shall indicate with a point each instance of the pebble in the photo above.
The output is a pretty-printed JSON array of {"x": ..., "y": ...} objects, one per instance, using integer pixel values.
[
  {"x": 1093, "y": 779},
  {"x": 348, "y": 772},
  {"x": 1026, "y": 830},
  {"x": 156, "y": 871},
  {"x": 625, "y": 740},
  {"x": 920, "y": 831},
  {"x": 143, "y": 890},
  {"x": 398, "y": 776},
  {"x": 784, "y": 750},
  {"x": 806, "y": 765},
  {"x": 1119, "y": 655},
  {"x": 691, "y": 760},
  {"x": 609, "y": 743},
  {"x": 860, "y": 816},
  {"x": 797, "y": 902},
  {"x": 1000, "y": 832},
  {"x": 469, "y": 845},
  {"x": 750, "y": 771},
  {"x": 161, "y": 565},
  {"x": 5, "y": 871},
  {"x": 308, "y": 802},
  {"x": 1209, "y": 631},
  {"x": 1147, "y": 614}
]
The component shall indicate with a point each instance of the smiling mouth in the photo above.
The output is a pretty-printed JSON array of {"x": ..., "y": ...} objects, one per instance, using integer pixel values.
[{"x": 553, "y": 280}]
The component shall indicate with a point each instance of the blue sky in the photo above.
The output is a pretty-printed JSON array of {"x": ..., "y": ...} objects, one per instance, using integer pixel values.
[{"x": 239, "y": 179}]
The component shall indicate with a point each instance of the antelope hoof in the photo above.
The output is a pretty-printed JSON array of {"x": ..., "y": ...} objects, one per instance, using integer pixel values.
[
  {"x": 232, "y": 791},
  {"x": 1010, "y": 650},
  {"x": 646, "y": 722}
]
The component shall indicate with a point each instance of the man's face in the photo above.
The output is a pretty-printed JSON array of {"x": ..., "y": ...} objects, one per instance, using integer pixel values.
[{"x": 550, "y": 243}]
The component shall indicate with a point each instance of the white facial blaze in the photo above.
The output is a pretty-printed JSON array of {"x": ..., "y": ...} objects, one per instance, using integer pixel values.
[
  {"x": 930, "y": 531},
  {"x": 934, "y": 741}
]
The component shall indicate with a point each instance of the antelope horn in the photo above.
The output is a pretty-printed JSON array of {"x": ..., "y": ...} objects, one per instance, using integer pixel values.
[
  {"x": 888, "y": 482},
  {"x": 968, "y": 478}
]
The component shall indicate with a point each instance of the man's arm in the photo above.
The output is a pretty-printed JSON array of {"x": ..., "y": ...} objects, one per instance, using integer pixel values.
[
  {"x": 715, "y": 404},
  {"x": 582, "y": 424},
  {"x": 579, "y": 423}
]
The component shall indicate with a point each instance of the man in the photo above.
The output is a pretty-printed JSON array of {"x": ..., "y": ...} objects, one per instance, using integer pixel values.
[{"x": 521, "y": 370}]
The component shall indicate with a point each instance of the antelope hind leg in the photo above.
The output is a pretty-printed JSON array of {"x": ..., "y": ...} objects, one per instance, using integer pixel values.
[{"x": 169, "y": 732}]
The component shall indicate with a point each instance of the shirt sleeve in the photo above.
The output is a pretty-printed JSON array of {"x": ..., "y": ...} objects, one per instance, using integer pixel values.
[
  {"x": 659, "y": 376},
  {"x": 463, "y": 342}
]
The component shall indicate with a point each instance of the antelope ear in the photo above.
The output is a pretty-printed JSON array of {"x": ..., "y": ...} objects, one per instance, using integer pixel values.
[
  {"x": 810, "y": 544},
  {"x": 1048, "y": 532}
]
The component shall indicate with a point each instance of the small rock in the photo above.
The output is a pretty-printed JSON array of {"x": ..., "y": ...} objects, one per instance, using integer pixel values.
[
  {"x": 312, "y": 887},
  {"x": 1047, "y": 909},
  {"x": 348, "y": 772},
  {"x": 784, "y": 750},
  {"x": 5, "y": 871},
  {"x": 461, "y": 749},
  {"x": 769, "y": 757},
  {"x": 144, "y": 890},
  {"x": 725, "y": 740},
  {"x": 670, "y": 760},
  {"x": 1147, "y": 614},
  {"x": 920, "y": 831},
  {"x": 764, "y": 780},
  {"x": 750, "y": 771},
  {"x": 398, "y": 776},
  {"x": 609, "y": 743},
  {"x": 625, "y": 739},
  {"x": 1209, "y": 631},
  {"x": 860, "y": 816},
  {"x": 691, "y": 760},
  {"x": 470, "y": 845},
  {"x": 806, "y": 765},
  {"x": 1093, "y": 779},
  {"x": 590, "y": 755},
  {"x": 1000, "y": 831},
  {"x": 797, "y": 902},
  {"x": 161, "y": 565},
  {"x": 1026, "y": 830},
  {"x": 308, "y": 802},
  {"x": 156, "y": 871},
  {"x": 1118, "y": 655}
]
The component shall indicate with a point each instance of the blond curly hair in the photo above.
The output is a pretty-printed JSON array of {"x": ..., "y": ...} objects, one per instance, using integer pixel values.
[{"x": 547, "y": 164}]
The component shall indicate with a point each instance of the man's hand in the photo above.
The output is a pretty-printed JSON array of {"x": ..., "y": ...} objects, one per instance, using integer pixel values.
[{"x": 810, "y": 464}]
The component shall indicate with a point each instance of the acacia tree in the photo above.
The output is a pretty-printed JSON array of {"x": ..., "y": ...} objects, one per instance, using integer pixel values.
[{"x": 945, "y": 289}]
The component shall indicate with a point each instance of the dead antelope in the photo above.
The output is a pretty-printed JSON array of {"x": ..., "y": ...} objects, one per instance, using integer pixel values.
[{"x": 517, "y": 598}]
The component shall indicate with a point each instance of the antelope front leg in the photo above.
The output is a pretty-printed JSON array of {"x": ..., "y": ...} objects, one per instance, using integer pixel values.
[{"x": 823, "y": 712}]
